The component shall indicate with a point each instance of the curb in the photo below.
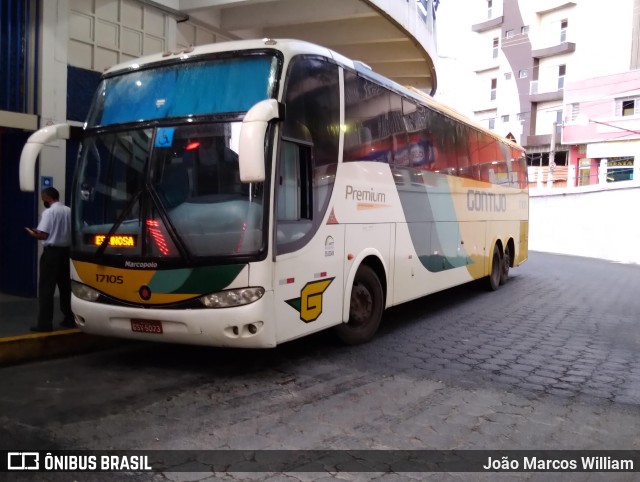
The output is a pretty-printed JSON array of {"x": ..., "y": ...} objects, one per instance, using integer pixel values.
[{"x": 39, "y": 346}]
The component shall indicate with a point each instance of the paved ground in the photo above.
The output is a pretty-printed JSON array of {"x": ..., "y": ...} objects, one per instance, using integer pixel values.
[
  {"x": 18, "y": 314},
  {"x": 550, "y": 361}
]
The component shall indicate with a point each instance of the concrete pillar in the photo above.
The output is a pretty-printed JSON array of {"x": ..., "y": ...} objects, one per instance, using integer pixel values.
[
  {"x": 571, "y": 176},
  {"x": 539, "y": 176},
  {"x": 53, "y": 87},
  {"x": 602, "y": 171}
]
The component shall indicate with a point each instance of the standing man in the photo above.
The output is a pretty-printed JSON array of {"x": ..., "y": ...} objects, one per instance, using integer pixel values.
[{"x": 54, "y": 230}]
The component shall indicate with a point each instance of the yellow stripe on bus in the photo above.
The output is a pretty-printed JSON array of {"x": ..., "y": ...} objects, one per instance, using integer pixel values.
[{"x": 124, "y": 284}]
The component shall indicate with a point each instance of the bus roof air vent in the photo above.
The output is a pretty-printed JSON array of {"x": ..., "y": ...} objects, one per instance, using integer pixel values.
[{"x": 366, "y": 66}]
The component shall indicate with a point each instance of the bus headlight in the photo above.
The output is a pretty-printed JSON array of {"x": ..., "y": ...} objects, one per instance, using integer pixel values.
[
  {"x": 84, "y": 292},
  {"x": 226, "y": 299}
]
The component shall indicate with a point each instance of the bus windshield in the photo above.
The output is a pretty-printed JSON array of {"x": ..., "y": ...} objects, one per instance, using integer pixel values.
[
  {"x": 206, "y": 87},
  {"x": 166, "y": 192},
  {"x": 158, "y": 173}
]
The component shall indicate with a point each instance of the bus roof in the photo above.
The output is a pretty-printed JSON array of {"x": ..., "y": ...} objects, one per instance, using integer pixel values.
[{"x": 290, "y": 48}]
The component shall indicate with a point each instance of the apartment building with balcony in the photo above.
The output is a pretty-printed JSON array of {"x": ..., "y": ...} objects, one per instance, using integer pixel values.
[
  {"x": 526, "y": 55},
  {"x": 602, "y": 128}
]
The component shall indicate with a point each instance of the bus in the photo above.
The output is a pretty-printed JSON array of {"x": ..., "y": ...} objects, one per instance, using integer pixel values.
[{"x": 249, "y": 193}]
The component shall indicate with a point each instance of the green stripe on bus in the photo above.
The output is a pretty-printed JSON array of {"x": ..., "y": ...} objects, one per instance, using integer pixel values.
[
  {"x": 436, "y": 263},
  {"x": 206, "y": 279},
  {"x": 420, "y": 203}
]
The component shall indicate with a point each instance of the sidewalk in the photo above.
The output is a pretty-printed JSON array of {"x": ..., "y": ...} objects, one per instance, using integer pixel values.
[{"x": 18, "y": 344}]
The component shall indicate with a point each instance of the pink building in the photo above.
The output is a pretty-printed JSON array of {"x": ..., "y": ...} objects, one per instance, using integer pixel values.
[{"x": 602, "y": 127}]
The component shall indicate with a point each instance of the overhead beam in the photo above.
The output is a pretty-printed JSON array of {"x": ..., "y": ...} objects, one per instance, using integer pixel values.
[
  {"x": 18, "y": 120},
  {"x": 356, "y": 31},
  {"x": 200, "y": 4},
  {"x": 292, "y": 12},
  {"x": 400, "y": 69},
  {"x": 403, "y": 51}
]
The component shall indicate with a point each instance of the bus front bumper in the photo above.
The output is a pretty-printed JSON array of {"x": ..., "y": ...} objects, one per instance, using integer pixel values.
[{"x": 248, "y": 326}]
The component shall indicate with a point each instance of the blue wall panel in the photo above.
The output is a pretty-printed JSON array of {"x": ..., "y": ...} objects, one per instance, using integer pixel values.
[
  {"x": 81, "y": 87},
  {"x": 14, "y": 54},
  {"x": 18, "y": 250}
]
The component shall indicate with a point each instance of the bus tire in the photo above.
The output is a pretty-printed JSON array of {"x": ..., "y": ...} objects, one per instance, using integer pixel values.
[
  {"x": 365, "y": 310},
  {"x": 506, "y": 264},
  {"x": 493, "y": 280}
]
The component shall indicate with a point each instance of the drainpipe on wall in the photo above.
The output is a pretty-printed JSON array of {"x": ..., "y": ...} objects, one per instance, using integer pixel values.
[{"x": 552, "y": 155}]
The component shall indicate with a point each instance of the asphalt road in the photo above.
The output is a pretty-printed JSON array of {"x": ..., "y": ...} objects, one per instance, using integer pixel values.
[{"x": 550, "y": 361}]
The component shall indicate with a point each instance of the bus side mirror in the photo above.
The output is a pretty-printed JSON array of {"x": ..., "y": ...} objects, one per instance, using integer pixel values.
[
  {"x": 34, "y": 145},
  {"x": 252, "y": 134}
]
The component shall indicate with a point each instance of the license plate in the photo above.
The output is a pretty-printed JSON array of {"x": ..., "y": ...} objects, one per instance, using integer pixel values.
[{"x": 147, "y": 326}]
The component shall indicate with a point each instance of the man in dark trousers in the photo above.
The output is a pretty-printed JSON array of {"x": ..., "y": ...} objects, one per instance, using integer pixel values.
[{"x": 54, "y": 230}]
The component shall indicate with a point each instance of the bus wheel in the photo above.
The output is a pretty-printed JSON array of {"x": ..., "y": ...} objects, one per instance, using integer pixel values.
[
  {"x": 496, "y": 270},
  {"x": 506, "y": 264},
  {"x": 366, "y": 307}
]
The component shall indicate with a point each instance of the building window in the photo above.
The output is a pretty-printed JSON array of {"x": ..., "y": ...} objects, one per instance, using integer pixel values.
[
  {"x": 523, "y": 74},
  {"x": 620, "y": 169},
  {"x": 562, "y": 70},
  {"x": 524, "y": 30},
  {"x": 505, "y": 118},
  {"x": 584, "y": 177},
  {"x": 575, "y": 110},
  {"x": 489, "y": 8},
  {"x": 627, "y": 106},
  {"x": 509, "y": 34},
  {"x": 563, "y": 30},
  {"x": 507, "y": 76},
  {"x": 494, "y": 87},
  {"x": 522, "y": 116},
  {"x": 492, "y": 123},
  {"x": 495, "y": 47},
  {"x": 423, "y": 13}
]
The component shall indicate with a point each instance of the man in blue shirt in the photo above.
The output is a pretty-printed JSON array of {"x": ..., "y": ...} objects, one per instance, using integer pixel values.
[{"x": 54, "y": 230}]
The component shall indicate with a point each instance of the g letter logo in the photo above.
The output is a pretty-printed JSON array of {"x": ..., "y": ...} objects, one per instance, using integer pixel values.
[{"x": 309, "y": 305}]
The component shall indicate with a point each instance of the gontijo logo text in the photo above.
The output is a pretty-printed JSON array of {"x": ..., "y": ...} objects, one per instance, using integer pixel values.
[{"x": 486, "y": 201}]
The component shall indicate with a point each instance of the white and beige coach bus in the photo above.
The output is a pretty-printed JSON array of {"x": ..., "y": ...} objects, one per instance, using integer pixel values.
[{"x": 249, "y": 193}]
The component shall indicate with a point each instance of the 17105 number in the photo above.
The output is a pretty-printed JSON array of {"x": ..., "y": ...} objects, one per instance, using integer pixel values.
[{"x": 109, "y": 278}]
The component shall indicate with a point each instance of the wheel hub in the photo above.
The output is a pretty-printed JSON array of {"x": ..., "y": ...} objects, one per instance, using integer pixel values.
[{"x": 361, "y": 305}]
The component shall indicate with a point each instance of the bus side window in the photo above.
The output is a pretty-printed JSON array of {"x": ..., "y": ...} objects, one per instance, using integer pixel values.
[
  {"x": 308, "y": 150},
  {"x": 294, "y": 193},
  {"x": 294, "y": 188}
]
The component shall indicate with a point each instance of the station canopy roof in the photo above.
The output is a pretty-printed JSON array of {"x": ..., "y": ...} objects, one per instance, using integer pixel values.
[{"x": 355, "y": 28}]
